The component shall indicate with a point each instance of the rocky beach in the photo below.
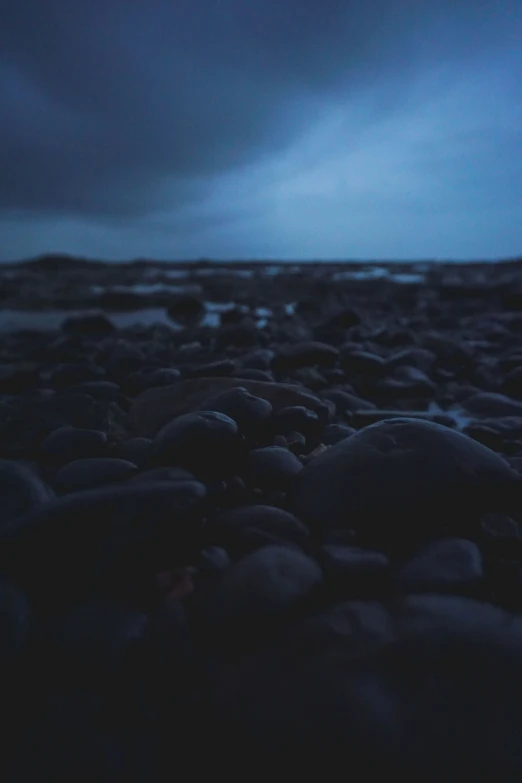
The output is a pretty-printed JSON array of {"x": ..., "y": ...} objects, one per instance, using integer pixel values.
[{"x": 260, "y": 519}]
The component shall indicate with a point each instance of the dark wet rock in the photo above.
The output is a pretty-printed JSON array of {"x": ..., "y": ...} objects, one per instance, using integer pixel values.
[
  {"x": 305, "y": 354},
  {"x": 492, "y": 404},
  {"x": 450, "y": 564},
  {"x": 334, "y": 433},
  {"x": 154, "y": 408},
  {"x": 402, "y": 477},
  {"x": 214, "y": 560},
  {"x": 100, "y": 630},
  {"x": 427, "y": 677},
  {"x": 345, "y": 402},
  {"x": 343, "y": 319},
  {"x": 65, "y": 375},
  {"x": 362, "y": 362},
  {"x": 296, "y": 418},
  {"x": 408, "y": 381},
  {"x": 111, "y": 537},
  {"x": 254, "y": 375},
  {"x": 228, "y": 527},
  {"x": 21, "y": 490},
  {"x": 124, "y": 358},
  {"x": 135, "y": 450},
  {"x": 364, "y": 418},
  {"x": 15, "y": 378},
  {"x": 352, "y": 572},
  {"x": 98, "y": 390},
  {"x": 512, "y": 383},
  {"x": 15, "y": 620},
  {"x": 488, "y": 436},
  {"x": 165, "y": 474},
  {"x": 414, "y": 357},
  {"x": 185, "y": 307},
  {"x": 258, "y": 360},
  {"x": 501, "y": 526},
  {"x": 272, "y": 468},
  {"x": 296, "y": 442},
  {"x": 259, "y": 592},
  {"x": 70, "y": 443},
  {"x": 92, "y": 325},
  {"x": 205, "y": 442},
  {"x": 84, "y": 474},
  {"x": 250, "y": 413},
  {"x": 150, "y": 378},
  {"x": 219, "y": 369}
]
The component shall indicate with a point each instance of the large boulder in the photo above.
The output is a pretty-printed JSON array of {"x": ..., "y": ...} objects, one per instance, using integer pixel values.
[{"x": 402, "y": 477}]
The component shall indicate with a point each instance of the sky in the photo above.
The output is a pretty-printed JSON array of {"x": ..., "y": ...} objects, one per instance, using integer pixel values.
[{"x": 261, "y": 129}]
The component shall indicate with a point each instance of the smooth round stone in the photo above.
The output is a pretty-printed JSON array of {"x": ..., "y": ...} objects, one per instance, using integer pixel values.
[
  {"x": 351, "y": 562},
  {"x": 97, "y": 536},
  {"x": 70, "y": 443},
  {"x": 214, "y": 560},
  {"x": 345, "y": 402},
  {"x": 92, "y": 325},
  {"x": 162, "y": 474},
  {"x": 98, "y": 390},
  {"x": 254, "y": 375},
  {"x": 492, "y": 404},
  {"x": 124, "y": 359},
  {"x": 415, "y": 688},
  {"x": 250, "y": 413},
  {"x": 15, "y": 620},
  {"x": 258, "y": 360},
  {"x": 66, "y": 375},
  {"x": 205, "y": 442},
  {"x": 363, "y": 362},
  {"x": 89, "y": 473},
  {"x": 21, "y": 491},
  {"x": 445, "y": 565},
  {"x": 229, "y": 527},
  {"x": 263, "y": 586},
  {"x": 272, "y": 468},
  {"x": 306, "y": 354},
  {"x": 334, "y": 433},
  {"x": 402, "y": 477},
  {"x": 100, "y": 629},
  {"x": 135, "y": 450},
  {"x": 297, "y": 418}
]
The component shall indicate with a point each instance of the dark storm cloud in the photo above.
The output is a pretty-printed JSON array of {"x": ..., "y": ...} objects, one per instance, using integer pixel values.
[
  {"x": 182, "y": 128},
  {"x": 109, "y": 105}
]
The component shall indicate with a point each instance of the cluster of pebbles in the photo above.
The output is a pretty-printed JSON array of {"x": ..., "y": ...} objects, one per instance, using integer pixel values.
[{"x": 266, "y": 551}]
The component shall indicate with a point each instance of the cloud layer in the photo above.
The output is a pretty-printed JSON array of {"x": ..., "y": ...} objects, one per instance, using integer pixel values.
[{"x": 263, "y": 129}]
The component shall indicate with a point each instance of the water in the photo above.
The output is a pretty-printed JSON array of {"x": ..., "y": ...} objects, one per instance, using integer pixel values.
[{"x": 380, "y": 273}]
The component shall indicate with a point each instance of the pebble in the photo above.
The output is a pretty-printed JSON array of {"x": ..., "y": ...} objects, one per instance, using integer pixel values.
[
  {"x": 21, "y": 491},
  {"x": 272, "y": 468},
  {"x": 306, "y": 354},
  {"x": 100, "y": 630},
  {"x": 89, "y": 473},
  {"x": 450, "y": 564},
  {"x": 206, "y": 443},
  {"x": 70, "y": 443},
  {"x": 250, "y": 413},
  {"x": 135, "y": 450},
  {"x": 15, "y": 621},
  {"x": 100, "y": 536},
  {"x": 229, "y": 526},
  {"x": 156, "y": 407},
  {"x": 261, "y": 589},
  {"x": 296, "y": 418}
]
